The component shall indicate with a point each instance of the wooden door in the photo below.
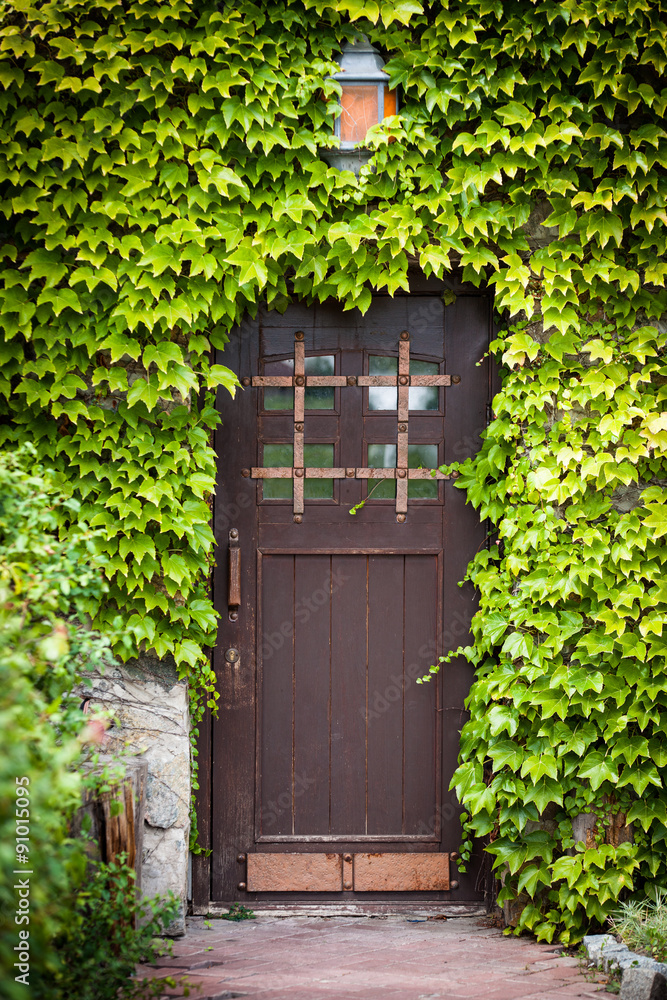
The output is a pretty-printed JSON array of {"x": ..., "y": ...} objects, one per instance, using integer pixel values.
[{"x": 326, "y": 775}]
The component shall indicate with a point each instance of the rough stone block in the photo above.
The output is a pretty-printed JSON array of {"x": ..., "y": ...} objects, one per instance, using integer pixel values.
[
  {"x": 161, "y": 802},
  {"x": 595, "y": 944},
  {"x": 612, "y": 956},
  {"x": 643, "y": 984},
  {"x": 151, "y": 719},
  {"x": 165, "y": 867},
  {"x": 630, "y": 960}
]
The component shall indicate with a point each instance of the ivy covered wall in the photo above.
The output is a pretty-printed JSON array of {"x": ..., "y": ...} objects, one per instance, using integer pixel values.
[{"x": 161, "y": 176}]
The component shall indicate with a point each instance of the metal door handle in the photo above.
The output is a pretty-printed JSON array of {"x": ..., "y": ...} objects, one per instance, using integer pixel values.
[{"x": 234, "y": 576}]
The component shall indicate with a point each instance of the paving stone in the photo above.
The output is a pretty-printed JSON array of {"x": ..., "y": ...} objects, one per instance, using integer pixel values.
[
  {"x": 311, "y": 958},
  {"x": 643, "y": 983}
]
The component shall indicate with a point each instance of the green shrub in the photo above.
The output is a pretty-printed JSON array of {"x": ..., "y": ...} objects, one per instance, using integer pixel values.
[
  {"x": 108, "y": 933},
  {"x": 29, "y": 748},
  {"x": 48, "y": 584}
]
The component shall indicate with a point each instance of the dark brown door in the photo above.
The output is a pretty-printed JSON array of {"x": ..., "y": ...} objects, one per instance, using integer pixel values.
[{"x": 330, "y": 766}]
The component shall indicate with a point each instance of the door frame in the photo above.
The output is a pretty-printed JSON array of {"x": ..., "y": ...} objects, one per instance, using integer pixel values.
[{"x": 201, "y": 896}]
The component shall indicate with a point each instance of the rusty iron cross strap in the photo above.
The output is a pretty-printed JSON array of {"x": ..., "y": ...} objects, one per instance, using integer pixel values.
[{"x": 403, "y": 381}]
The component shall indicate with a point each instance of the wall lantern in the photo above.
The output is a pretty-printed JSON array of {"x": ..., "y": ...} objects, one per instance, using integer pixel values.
[{"x": 365, "y": 101}]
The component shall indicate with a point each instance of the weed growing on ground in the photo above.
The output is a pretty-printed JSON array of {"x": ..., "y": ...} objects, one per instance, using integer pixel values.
[
  {"x": 237, "y": 911},
  {"x": 643, "y": 925},
  {"x": 595, "y": 974}
]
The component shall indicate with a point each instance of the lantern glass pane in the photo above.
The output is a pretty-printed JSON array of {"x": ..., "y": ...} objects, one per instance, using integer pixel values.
[
  {"x": 389, "y": 102},
  {"x": 359, "y": 111}
]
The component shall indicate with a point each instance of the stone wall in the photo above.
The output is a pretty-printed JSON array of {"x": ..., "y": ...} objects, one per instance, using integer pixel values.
[{"x": 149, "y": 705}]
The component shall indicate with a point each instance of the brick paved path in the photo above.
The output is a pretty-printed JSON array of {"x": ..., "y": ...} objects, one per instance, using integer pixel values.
[{"x": 344, "y": 958}]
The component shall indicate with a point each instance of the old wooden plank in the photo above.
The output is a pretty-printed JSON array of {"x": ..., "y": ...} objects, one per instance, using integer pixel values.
[
  {"x": 312, "y": 690},
  {"x": 276, "y": 773},
  {"x": 349, "y": 659},
  {"x": 385, "y": 694}
]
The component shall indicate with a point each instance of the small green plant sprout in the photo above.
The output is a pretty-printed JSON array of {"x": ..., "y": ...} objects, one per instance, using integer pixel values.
[
  {"x": 237, "y": 911},
  {"x": 432, "y": 671},
  {"x": 362, "y": 503}
]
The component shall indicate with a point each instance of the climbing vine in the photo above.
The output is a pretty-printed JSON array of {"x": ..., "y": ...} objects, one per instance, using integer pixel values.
[
  {"x": 161, "y": 178},
  {"x": 563, "y": 761}
]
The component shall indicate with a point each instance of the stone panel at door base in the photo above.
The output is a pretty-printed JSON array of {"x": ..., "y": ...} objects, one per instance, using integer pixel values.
[
  {"x": 401, "y": 872},
  {"x": 295, "y": 872},
  {"x": 379, "y": 872}
]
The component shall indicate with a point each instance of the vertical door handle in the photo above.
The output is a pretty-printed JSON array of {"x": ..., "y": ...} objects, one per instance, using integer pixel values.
[{"x": 234, "y": 576}]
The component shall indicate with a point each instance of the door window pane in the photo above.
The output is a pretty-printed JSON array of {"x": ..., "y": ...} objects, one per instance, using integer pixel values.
[
  {"x": 276, "y": 455},
  {"x": 382, "y": 456},
  {"x": 421, "y": 397},
  {"x": 382, "y": 397},
  {"x": 318, "y": 456},
  {"x": 420, "y": 456},
  {"x": 320, "y": 397},
  {"x": 424, "y": 397},
  {"x": 278, "y": 397},
  {"x": 423, "y": 456}
]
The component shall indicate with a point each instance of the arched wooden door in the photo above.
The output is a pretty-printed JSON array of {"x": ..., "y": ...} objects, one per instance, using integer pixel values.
[{"x": 325, "y": 776}]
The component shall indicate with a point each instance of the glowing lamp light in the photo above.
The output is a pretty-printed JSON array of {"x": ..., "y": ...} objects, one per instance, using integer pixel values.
[{"x": 365, "y": 101}]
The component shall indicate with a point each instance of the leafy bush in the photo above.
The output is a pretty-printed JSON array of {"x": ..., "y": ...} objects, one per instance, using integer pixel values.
[
  {"x": 29, "y": 748},
  {"x": 48, "y": 583},
  {"x": 108, "y": 933}
]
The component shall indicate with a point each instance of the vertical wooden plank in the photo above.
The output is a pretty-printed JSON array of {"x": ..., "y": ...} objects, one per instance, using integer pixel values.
[
  {"x": 312, "y": 680},
  {"x": 385, "y": 694},
  {"x": 421, "y": 743},
  {"x": 349, "y": 657},
  {"x": 233, "y": 741},
  {"x": 275, "y": 778}
]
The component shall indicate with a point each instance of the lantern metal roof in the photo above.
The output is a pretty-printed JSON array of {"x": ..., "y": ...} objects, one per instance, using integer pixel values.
[{"x": 360, "y": 62}]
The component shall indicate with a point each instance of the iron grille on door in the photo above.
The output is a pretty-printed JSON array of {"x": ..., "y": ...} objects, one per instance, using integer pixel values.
[{"x": 402, "y": 381}]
